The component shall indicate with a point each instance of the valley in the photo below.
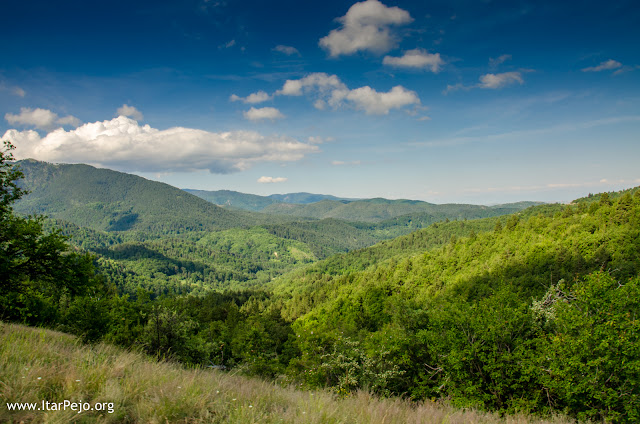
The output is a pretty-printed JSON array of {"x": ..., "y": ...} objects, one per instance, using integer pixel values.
[{"x": 486, "y": 307}]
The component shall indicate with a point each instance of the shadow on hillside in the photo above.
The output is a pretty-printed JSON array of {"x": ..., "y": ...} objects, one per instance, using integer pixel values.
[{"x": 136, "y": 252}]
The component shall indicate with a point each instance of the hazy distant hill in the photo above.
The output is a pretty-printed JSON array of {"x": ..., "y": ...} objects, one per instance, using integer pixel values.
[
  {"x": 305, "y": 198},
  {"x": 378, "y": 209},
  {"x": 114, "y": 201},
  {"x": 322, "y": 206},
  {"x": 234, "y": 199},
  {"x": 256, "y": 203}
]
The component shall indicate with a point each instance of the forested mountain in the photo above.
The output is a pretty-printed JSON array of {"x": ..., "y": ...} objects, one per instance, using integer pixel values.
[
  {"x": 305, "y": 198},
  {"x": 234, "y": 199},
  {"x": 376, "y": 210},
  {"x": 114, "y": 201},
  {"x": 320, "y": 206},
  {"x": 255, "y": 203},
  {"x": 149, "y": 234},
  {"x": 532, "y": 312},
  {"x": 538, "y": 314}
]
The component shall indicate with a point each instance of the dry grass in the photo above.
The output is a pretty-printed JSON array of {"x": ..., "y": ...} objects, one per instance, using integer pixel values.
[{"x": 37, "y": 365}]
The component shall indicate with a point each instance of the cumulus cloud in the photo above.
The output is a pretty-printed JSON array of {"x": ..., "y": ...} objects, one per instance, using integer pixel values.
[
  {"x": 366, "y": 27},
  {"x": 131, "y": 112},
  {"x": 495, "y": 81},
  {"x": 604, "y": 66},
  {"x": 252, "y": 98},
  {"x": 123, "y": 144},
  {"x": 69, "y": 120},
  {"x": 269, "y": 180},
  {"x": 374, "y": 102},
  {"x": 316, "y": 81},
  {"x": 416, "y": 58},
  {"x": 288, "y": 50},
  {"x": 329, "y": 90},
  {"x": 263, "y": 113},
  {"x": 42, "y": 119}
]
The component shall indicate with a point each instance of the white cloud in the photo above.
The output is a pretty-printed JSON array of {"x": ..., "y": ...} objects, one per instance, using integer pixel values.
[
  {"x": 252, "y": 98},
  {"x": 320, "y": 104},
  {"x": 335, "y": 93},
  {"x": 490, "y": 81},
  {"x": 494, "y": 81},
  {"x": 123, "y": 144},
  {"x": 315, "y": 81},
  {"x": 288, "y": 50},
  {"x": 42, "y": 119},
  {"x": 131, "y": 112},
  {"x": 366, "y": 26},
  {"x": 455, "y": 87},
  {"x": 416, "y": 58},
  {"x": 69, "y": 120},
  {"x": 254, "y": 114},
  {"x": 494, "y": 63},
  {"x": 269, "y": 180},
  {"x": 604, "y": 66},
  {"x": 374, "y": 102}
]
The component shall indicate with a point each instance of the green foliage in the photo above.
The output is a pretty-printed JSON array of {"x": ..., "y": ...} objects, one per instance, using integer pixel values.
[
  {"x": 393, "y": 212},
  {"x": 592, "y": 359},
  {"x": 536, "y": 312},
  {"x": 113, "y": 201},
  {"x": 38, "y": 272},
  {"x": 481, "y": 321},
  {"x": 234, "y": 199}
]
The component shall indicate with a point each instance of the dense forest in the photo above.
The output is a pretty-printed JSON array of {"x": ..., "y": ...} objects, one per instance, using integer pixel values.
[{"x": 534, "y": 312}]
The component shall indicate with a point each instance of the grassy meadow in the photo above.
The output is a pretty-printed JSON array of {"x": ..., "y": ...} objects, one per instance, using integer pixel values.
[{"x": 38, "y": 364}]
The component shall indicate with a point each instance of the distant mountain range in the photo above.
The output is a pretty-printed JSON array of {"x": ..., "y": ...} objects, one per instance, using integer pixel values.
[
  {"x": 255, "y": 203},
  {"x": 322, "y": 206},
  {"x": 108, "y": 200}
]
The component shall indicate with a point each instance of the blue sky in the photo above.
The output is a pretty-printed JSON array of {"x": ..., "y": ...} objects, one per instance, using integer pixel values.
[{"x": 443, "y": 101}]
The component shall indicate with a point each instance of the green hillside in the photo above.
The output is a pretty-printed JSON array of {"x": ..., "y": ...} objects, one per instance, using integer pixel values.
[
  {"x": 536, "y": 312},
  {"x": 255, "y": 203},
  {"x": 38, "y": 364},
  {"x": 153, "y": 236},
  {"x": 234, "y": 199},
  {"x": 376, "y": 210},
  {"x": 304, "y": 198},
  {"x": 113, "y": 201}
]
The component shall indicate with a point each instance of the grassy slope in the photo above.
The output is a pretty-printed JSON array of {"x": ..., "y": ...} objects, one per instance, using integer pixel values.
[{"x": 37, "y": 365}]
